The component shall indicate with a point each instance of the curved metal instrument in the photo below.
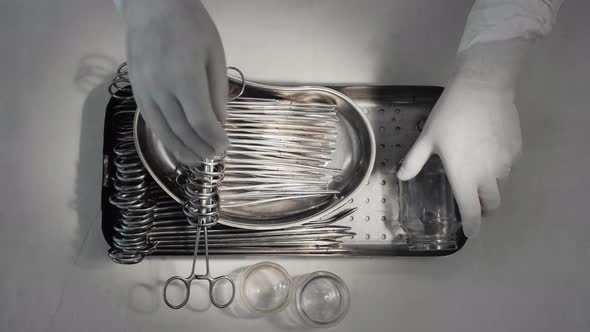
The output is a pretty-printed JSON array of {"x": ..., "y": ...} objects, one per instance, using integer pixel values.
[{"x": 325, "y": 176}]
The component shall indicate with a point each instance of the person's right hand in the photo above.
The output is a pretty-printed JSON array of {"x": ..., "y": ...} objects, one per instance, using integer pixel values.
[
  {"x": 474, "y": 128},
  {"x": 178, "y": 73}
]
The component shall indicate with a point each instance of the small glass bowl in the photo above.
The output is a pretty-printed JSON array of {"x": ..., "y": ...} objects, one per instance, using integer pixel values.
[
  {"x": 265, "y": 288},
  {"x": 322, "y": 299}
]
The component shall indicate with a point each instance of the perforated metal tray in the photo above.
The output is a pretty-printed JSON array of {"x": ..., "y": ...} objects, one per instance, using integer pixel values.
[{"x": 396, "y": 114}]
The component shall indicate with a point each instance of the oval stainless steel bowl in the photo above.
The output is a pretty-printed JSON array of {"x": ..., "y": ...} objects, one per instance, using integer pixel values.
[{"x": 355, "y": 155}]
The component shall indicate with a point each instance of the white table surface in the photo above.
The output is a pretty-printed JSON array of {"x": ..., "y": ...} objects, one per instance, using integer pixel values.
[{"x": 528, "y": 271}]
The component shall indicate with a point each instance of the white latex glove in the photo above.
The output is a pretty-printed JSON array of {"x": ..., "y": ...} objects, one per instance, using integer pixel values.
[
  {"x": 474, "y": 128},
  {"x": 178, "y": 73}
]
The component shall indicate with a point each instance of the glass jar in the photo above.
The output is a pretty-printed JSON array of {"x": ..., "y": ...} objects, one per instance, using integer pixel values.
[
  {"x": 264, "y": 288},
  {"x": 322, "y": 299},
  {"x": 427, "y": 209}
]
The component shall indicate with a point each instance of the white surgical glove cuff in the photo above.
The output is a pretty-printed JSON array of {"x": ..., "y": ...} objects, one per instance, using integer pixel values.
[
  {"x": 495, "y": 65},
  {"x": 497, "y": 20},
  {"x": 119, "y": 5}
]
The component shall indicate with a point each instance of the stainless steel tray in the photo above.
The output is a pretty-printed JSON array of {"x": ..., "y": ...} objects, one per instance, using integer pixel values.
[{"x": 396, "y": 114}]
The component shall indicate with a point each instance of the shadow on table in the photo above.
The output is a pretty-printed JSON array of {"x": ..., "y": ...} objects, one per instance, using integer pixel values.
[{"x": 92, "y": 77}]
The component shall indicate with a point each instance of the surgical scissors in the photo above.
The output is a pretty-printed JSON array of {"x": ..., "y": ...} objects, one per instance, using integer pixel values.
[{"x": 193, "y": 276}]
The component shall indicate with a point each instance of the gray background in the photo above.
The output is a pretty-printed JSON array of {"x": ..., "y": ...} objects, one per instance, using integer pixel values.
[{"x": 528, "y": 271}]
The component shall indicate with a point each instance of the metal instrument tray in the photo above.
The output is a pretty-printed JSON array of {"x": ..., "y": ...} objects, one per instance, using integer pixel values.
[{"x": 396, "y": 114}]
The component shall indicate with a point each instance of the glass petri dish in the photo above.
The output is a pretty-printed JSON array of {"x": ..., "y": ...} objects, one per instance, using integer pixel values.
[
  {"x": 265, "y": 288},
  {"x": 322, "y": 299}
]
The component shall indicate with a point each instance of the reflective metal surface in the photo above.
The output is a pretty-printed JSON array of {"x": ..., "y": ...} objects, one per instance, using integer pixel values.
[
  {"x": 201, "y": 209},
  {"x": 131, "y": 181},
  {"x": 395, "y": 112},
  {"x": 279, "y": 151},
  {"x": 371, "y": 229},
  {"x": 354, "y": 154}
]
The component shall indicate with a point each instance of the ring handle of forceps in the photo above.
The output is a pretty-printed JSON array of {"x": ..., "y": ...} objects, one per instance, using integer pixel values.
[
  {"x": 187, "y": 286},
  {"x": 242, "y": 78},
  {"x": 187, "y": 291},
  {"x": 212, "y": 283}
]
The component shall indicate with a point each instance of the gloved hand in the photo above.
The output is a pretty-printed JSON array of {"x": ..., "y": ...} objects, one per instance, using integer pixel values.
[
  {"x": 178, "y": 73},
  {"x": 474, "y": 128}
]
